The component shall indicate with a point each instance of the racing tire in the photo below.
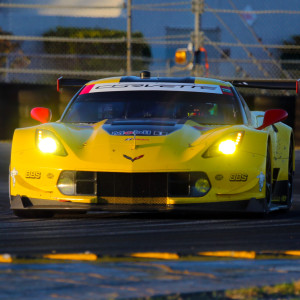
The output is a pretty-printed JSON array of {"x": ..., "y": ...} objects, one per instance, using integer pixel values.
[
  {"x": 33, "y": 214},
  {"x": 268, "y": 183},
  {"x": 290, "y": 184}
]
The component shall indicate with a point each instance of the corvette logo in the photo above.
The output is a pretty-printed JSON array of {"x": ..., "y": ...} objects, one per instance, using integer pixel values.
[{"x": 133, "y": 159}]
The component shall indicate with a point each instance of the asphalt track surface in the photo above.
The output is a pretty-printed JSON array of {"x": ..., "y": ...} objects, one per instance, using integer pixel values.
[{"x": 122, "y": 233}]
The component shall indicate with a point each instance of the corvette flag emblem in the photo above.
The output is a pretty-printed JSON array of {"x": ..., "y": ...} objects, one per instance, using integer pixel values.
[{"x": 133, "y": 159}]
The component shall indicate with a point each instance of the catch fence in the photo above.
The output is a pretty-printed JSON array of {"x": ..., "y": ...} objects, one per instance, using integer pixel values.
[{"x": 39, "y": 42}]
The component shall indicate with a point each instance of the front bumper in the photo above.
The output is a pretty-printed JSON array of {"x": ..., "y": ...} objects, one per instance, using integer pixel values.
[{"x": 231, "y": 179}]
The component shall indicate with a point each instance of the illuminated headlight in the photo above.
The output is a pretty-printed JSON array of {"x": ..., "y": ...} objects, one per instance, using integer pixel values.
[
  {"x": 47, "y": 145},
  {"x": 47, "y": 142},
  {"x": 66, "y": 183},
  {"x": 227, "y": 146}
]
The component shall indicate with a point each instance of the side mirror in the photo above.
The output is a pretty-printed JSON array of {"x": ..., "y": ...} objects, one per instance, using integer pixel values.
[
  {"x": 273, "y": 116},
  {"x": 41, "y": 114}
]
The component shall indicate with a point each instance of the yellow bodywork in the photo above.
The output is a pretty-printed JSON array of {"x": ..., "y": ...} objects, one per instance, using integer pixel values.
[{"x": 90, "y": 148}]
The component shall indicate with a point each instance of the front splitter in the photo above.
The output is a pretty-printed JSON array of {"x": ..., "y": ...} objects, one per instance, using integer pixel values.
[{"x": 251, "y": 205}]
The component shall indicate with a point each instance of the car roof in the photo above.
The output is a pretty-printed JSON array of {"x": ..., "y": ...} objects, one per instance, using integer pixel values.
[{"x": 189, "y": 80}]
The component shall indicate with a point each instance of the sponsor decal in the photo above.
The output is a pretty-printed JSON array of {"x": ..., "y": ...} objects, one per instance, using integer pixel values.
[
  {"x": 226, "y": 90},
  {"x": 86, "y": 89},
  {"x": 238, "y": 177},
  {"x": 139, "y": 132},
  {"x": 160, "y": 133},
  {"x": 131, "y": 132},
  {"x": 33, "y": 174},
  {"x": 50, "y": 175},
  {"x": 219, "y": 177},
  {"x": 135, "y": 139},
  {"x": 261, "y": 181},
  {"x": 152, "y": 129},
  {"x": 13, "y": 175},
  {"x": 133, "y": 159},
  {"x": 137, "y": 86}
]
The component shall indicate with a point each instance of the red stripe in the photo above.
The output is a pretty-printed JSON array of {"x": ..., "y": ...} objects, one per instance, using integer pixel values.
[{"x": 86, "y": 89}]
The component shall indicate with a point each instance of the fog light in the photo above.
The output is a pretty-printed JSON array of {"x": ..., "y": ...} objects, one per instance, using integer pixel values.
[
  {"x": 201, "y": 187},
  {"x": 66, "y": 183}
]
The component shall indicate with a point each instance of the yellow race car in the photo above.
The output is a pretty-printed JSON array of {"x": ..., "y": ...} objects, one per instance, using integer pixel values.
[{"x": 147, "y": 143}]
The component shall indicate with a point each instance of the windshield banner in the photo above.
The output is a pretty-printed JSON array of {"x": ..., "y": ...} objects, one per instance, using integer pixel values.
[{"x": 152, "y": 86}]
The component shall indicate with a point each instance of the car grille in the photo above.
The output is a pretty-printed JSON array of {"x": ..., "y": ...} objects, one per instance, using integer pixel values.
[{"x": 139, "y": 185}]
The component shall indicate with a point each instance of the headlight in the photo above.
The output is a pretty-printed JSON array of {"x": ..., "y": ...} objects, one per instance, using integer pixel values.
[
  {"x": 226, "y": 146},
  {"x": 47, "y": 142},
  {"x": 47, "y": 145}
]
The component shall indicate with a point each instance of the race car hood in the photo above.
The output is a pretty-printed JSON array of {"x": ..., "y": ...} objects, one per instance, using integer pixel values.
[
  {"x": 127, "y": 145},
  {"x": 134, "y": 146}
]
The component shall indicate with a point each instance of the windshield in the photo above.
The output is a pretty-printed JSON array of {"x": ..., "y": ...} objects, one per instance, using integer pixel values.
[{"x": 204, "y": 108}]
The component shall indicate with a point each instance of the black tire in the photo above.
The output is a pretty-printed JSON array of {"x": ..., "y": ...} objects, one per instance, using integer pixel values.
[
  {"x": 289, "y": 200},
  {"x": 268, "y": 180},
  {"x": 33, "y": 214}
]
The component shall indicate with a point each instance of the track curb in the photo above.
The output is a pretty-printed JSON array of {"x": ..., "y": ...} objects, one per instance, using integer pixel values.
[{"x": 92, "y": 257}]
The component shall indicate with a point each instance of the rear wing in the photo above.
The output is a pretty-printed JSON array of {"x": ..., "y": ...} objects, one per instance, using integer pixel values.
[
  {"x": 269, "y": 84},
  {"x": 249, "y": 83},
  {"x": 63, "y": 82}
]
